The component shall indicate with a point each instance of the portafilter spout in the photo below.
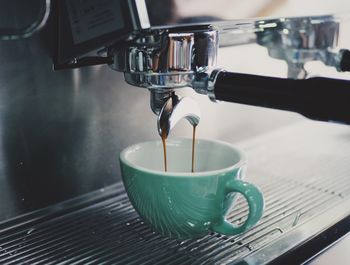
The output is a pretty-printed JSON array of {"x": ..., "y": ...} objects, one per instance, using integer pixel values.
[{"x": 176, "y": 109}]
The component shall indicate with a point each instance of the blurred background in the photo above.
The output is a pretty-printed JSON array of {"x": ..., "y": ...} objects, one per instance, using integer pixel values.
[{"x": 236, "y": 9}]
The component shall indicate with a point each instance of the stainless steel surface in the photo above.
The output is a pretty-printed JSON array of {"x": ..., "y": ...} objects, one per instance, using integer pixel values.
[
  {"x": 142, "y": 13},
  {"x": 158, "y": 100},
  {"x": 166, "y": 60},
  {"x": 176, "y": 109},
  {"x": 301, "y": 40},
  {"x": 303, "y": 197},
  {"x": 204, "y": 83},
  {"x": 300, "y": 235},
  {"x": 338, "y": 253},
  {"x": 34, "y": 27}
]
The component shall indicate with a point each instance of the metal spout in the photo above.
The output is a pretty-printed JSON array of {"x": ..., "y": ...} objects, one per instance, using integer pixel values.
[{"x": 176, "y": 109}]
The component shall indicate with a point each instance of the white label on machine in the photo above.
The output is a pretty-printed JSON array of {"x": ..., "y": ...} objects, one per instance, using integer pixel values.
[{"x": 93, "y": 18}]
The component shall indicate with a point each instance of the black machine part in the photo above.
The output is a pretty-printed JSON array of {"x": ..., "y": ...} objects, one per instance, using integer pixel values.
[{"x": 318, "y": 98}]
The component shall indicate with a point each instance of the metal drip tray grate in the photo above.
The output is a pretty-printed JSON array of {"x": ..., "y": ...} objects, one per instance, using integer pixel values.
[{"x": 102, "y": 227}]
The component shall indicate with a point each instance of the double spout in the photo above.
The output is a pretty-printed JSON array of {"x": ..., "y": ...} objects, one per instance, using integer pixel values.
[{"x": 173, "y": 109}]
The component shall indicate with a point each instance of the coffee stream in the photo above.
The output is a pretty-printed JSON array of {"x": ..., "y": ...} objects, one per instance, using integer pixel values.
[
  {"x": 164, "y": 136},
  {"x": 193, "y": 145},
  {"x": 164, "y": 149}
]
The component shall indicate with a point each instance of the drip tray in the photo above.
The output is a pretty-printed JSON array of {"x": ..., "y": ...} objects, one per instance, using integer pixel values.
[{"x": 302, "y": 170}]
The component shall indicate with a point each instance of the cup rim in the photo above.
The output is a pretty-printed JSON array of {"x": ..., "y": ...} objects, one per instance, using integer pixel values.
[{"x": 242, "y": 160}]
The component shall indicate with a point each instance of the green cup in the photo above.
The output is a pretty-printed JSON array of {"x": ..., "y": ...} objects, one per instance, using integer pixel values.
[{"x": 182, "y": 204}]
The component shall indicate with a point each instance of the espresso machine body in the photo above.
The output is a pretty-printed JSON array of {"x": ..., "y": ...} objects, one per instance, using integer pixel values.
[
  {"x": 163, "y": 58},
  {"x": 81, "y": 80}
]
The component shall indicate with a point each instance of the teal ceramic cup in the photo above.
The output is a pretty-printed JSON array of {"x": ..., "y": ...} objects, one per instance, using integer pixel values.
[{"x": 182, "y": 204}]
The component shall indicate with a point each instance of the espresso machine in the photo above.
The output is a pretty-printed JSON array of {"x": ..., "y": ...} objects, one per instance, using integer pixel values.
[
  {"x": 165, "y": 58},
  {"x": 66, "y": 111}
]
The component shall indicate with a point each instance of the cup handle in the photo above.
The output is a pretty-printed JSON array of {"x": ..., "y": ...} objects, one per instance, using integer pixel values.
[{"x": 255, "y": 201}]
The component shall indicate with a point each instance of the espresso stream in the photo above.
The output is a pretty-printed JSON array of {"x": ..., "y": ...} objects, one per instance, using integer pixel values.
[
  {"x": 193, "y": 145},
  {"x": 164, "y": 136},
  {"x": 164, "y": 150}
]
